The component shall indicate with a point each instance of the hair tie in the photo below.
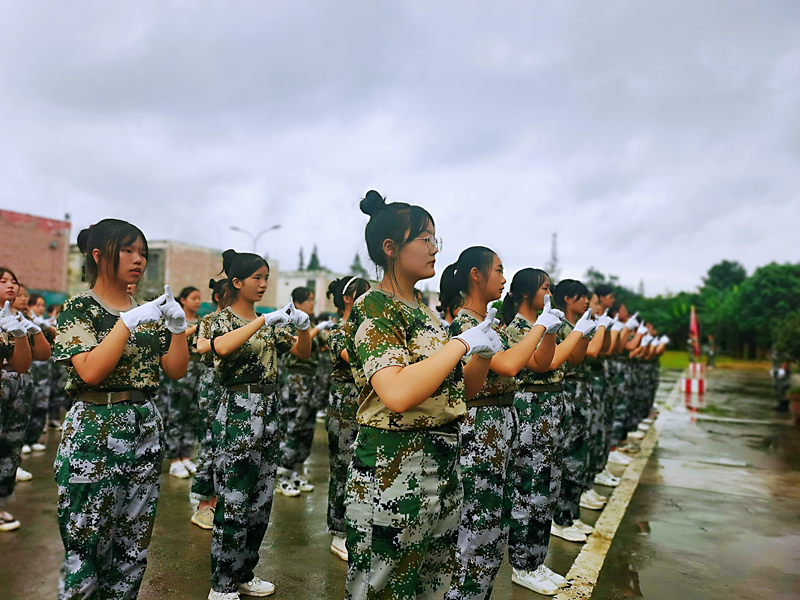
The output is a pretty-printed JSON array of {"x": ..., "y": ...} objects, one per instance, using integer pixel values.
[
  {"x": 510, "y": 293},
  {"x": 347, "y": 285}
]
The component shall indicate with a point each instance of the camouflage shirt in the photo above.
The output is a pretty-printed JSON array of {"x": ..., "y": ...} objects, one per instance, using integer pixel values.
[
  {"x": 340, "y": 370},
  {"x": 581, "y": 370},
  {"x": 495, "y": 385},
  {"x": 191, "y": 340},
  {"x": 257, "y": 360},
  {"x": 306, "y": 365},
  {"x": 518, "y": 329},
  {"x": 6, "y": 347},
  {"x": 383, "y": 331},
  {"x": 84, "y": 322},
  {"x": 204, "y": 331}
]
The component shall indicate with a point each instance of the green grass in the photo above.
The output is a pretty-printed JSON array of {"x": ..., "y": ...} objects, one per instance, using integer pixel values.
[{"x": 675, "y": 359}]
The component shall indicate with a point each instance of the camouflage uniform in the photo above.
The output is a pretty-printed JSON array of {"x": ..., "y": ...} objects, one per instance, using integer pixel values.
[
  {"x": 623, "y": 399},
  {"x": 14, "y": 414},
  {"x": 597, "y": 442},
  {"x": 108, "y": 463},
  {"x": 536, "y": 469},
  {"x": 246, "y": 434},
  {"x": 298, "y": 408},
  {"x": 209, "y": 393},
  {"x": 489, "y": 436},
  {"x": 342, "y": 427},
  {"x": 780, "y": 385},
  {"x": 575, "y": 437},
  {"x": 322, "y": 390},
  {"x": 39, "y": 399},
  {"x": 58, "y": 394},
  {"x": 612, "y": 375},
  {"x": 404, "y": 491}
]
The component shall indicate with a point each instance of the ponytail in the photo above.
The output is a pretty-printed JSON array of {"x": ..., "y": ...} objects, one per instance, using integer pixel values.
[
  {"x": 525, "y": 283},
  {"x": 454, "y": 284}
]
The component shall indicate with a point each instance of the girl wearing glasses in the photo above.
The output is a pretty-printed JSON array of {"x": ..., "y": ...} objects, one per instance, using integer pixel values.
[{"x": 404, "y": 491}]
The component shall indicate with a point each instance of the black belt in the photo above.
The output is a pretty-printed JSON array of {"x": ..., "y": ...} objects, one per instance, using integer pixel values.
[
  {"x": 575, "y": 378},
  {"x": 542, "y": 387},
  {"x": 129, "y": 396},
  {"x": 255, "y": 388},
  {"x": 503, "y": 400}
]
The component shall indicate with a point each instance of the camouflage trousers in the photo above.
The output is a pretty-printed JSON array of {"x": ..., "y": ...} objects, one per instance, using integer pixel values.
[
  {"x": 108, "y": 470},
  {"x": 298, "y": 419},
  {"x": 489, "y": 436},
  {"x": 597, "y": 429},
  {"x": 342, "y": 427},
  {"x": 180, "y": 410},
  {"x": 575, "y": 441},
  {"x": 403, "y": 507},
  {"x": 39, "y": 392},
  {"x": 246, "y": 439},
  {"x": 59, "y": 399},
  {"x": 623, "y": 401},
  {"x": 322, "y": 387},
  {"x": 536, "y": 476},
  {"x": 209, "y": 393},
  {"x": 15, "y": 410}
]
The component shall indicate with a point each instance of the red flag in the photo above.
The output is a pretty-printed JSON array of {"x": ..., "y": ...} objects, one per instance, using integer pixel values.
[{"x": 694, "y": 332}]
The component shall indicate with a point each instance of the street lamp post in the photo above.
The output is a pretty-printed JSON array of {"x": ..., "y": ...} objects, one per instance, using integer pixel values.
[{"x": 254, "y": 238}]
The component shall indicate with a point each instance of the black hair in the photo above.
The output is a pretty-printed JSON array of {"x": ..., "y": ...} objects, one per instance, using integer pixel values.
[
  {"x": 525, "y": 283},
  {"x": 301, "y": 294},
  {"x": 108, "y": 236},
  {"x": 34, "y": 298},
  {"x": 397, "y": 221},
  {"x": 238, "y": 265},
  {"x": 217, "y": 288},
  {"x": 603, "y": 290},
  {"x": 454, "y": 283},
  {"x": 185, "y": 293},
  {"x": 4, "y": 270},
  {"x": 355, "y": 287},
  {"x": 568, "y": 288}
]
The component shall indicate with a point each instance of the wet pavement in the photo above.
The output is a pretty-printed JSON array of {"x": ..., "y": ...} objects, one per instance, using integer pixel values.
[{"x": 716, "y": 515}]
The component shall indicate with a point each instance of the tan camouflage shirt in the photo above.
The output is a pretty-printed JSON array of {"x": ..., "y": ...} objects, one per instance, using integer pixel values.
[
  {"x": 495, "y": 385},
  {"x": 204, "y": 331},
  {"x": 84, "y": 322},
  {"x": 257, "y": 360},
  {"x": 570, "y": 370},
  {"x": 518, "y": 329},
  {"x": 383, "y": 331},
  {"x": 340, "y": 370}
]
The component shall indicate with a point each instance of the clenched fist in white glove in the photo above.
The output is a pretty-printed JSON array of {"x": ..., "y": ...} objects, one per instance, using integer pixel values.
[
  {"x": 149, "y": 312},
  {"x": 642, "y": 329},
  {"x": 548, "y": 319},
  {"x": 9, "y": 322},
  {"x": 174, "y": 317},
  {"x": 618, "y": 325},
  {"x": 632, "y": 323},
  {"x": 604, "y": 320},
  {"x": 323, "y": 325},
  {"x": 482, "y": 340},
  {"x": 664, "y": 339},
  {"x": 646, "y": 339},
  {"x": 585, "y": 324},
  {"x": 300, "y": 319},
  {"x": 276, "y": 317},
  {"x": 30, "y": 326}
]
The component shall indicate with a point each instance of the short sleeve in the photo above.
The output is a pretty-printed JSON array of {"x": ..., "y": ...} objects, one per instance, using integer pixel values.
[
  {"x": 164, "y": 339},
  {"x": 284, "y": 338},
  {"x": 76, "y": 334},
  {"x": 380, "y": 340}
]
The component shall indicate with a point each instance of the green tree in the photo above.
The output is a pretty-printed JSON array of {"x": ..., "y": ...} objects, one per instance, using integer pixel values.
[
  {"x": 766, "y": 299},
  {"x": 313, "y": 262},
  {"x": 725, "y": 275},
  {"x": 357, "y": 269}
]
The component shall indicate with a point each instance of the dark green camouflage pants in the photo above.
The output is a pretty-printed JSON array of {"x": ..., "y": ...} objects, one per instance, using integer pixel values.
[
  {"x": 180, "y": 410},
  {"x": 536, "y": 476},
  {"x": 342, "y": 427},
  {"x": 39, "y": 399},
  {"x": 598, "y": 427},
  {"x": 403, "y": 507},
  {"x": 322, "y": 387},
  {"x": 576, "y": 423},
  {"x": 58, "y": 394},
  {"x": 209, "y": 394},
  {"x": 108, "y": 469},
  {"x": 298, "y": 419},
  {"x": 489, "y": 437},
  {"x": 623, "y": 400},
  {"x": 15, "y": 410},
  {"x": 246, "y": 439}
]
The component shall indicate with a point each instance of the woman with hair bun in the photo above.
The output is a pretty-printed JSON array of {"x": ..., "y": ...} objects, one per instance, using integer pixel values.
[
  {"x": 340, "y": 421},
  {"x": 246, "y": 429},
  {"x": 404, "y": 493},
  {"x": 490, "y": 432},
  {"x": 108, "y": 464}
]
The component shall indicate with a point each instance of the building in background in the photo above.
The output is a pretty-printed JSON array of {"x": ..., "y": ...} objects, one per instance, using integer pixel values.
[
  {"x": 317, "y": 281},
  {"x": 36, "y": 249}
]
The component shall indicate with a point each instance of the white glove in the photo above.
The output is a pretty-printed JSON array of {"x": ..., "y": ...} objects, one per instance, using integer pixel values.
[
  {"x": 555, "y": 311},
  {"x": 604, "y": 320},
  {"x": 618, "y": 325},
  {"x": 276, "y": 317},
  {"x": 30, "y": 326},
  {"x": 300, "y": 319},
  {"x": 550, "y": 321},
  {"x": 482, "y": 340},
  {"x": 665, "y": 339},
  {"x": 632, "y": 323},
  {"x": 646, "y": 339},
  {"x": 585, "y": 324},
  {"x": 642, "y": 329},
  {"x": 781, "y": 373},
  {"x": 773, "y": 372},
  {"x": 174, "y": 317},
  {"x": 656, "y": 341},
  {"x": 149, "y": 312},
  {"x": 445, "y": 324},
  {"x": 325, "y": 325},
  {"x": 9, "y": 322},
  {"x": 42, "y": 322}
]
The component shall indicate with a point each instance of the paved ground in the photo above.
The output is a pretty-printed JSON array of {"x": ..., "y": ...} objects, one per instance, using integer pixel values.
[{"x": 716, "y": 514}]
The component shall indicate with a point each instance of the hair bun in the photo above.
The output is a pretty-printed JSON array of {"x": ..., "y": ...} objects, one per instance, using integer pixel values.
[
  {"x": 83, "y": 240},
  {"x": 211, "y": 284},
  {"x": 373, "y": 203}
]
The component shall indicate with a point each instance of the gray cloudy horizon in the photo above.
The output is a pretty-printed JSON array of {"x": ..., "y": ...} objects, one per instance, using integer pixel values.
[{"x": 656, "y": 139}]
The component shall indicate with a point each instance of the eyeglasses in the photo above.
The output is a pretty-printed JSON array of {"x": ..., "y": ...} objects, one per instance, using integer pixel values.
[{"x": 433, "y": 242}]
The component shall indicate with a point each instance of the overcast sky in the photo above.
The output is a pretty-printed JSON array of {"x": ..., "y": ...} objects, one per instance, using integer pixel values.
[{"x": 656, "y": 138}]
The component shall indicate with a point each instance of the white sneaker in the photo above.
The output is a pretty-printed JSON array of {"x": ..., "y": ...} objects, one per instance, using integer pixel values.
[
  {"x": 339, "y": 547},
  {"x": 589, "y": 504},
  {"x": 595, "y": 496},
  {"x": 301, "y": 483},
  {"x": 649, "y": 421},
  {"x": 204, "y": 518},
  {"x": 618, "y": 458},
  {"x": 23, "y": 475},
  {"x": 26, "y": 449},
  {"x": 257, "y": 587},
  {"x": 37, "y": 447},
  {"x": 8, "y": 522},
  {"x": 321, "y": 414},
  {"x": 644, "y": 427},
  {"x": 212, "y": 595},
  {"x": 582, "y": 527},
  {"x": 560, "y": 581},
  {"x": 636, "y": 436},
  {"x": 190, "y": 466},
  {"x": 177, "y": 469},
  {"x": 54, "y": 424},
  {"x": 285, "y": 487},
  {"x": 536, "y": 581},
  {"x": 607, "y": 479},
  {"x": 567, "y": 533}
]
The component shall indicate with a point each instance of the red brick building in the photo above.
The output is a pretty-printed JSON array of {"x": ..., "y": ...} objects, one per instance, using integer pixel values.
[{"x": 36, "y": 249}]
